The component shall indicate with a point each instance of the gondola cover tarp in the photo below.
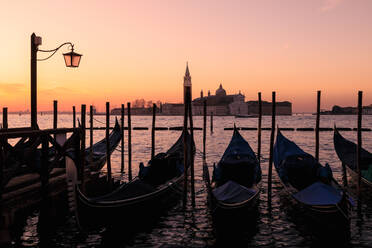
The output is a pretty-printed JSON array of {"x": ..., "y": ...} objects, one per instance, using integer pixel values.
[
  {"x": 232, "y": 192},
  {"x": 319, "y": 193}
]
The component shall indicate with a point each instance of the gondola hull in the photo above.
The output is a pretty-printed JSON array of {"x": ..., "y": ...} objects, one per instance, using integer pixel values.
[
  {"x": 354, "y": 176},
  {"x": 134, "y": 211},
  {"x": 330, "y": 198},
  {"x": 221, "y": 208},
  {"x": 346, "y": 151},
  {"x": 240, "y": 170},
  {"x": 158, "y": 186}
]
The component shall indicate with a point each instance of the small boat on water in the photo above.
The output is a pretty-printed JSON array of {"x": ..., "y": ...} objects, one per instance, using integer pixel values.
[
  {"x": 246, "y": 116},
  {"x": 236, "y": 178},
  {"x": 157, "y": 186},
  {"x": 347, "y": 152},
  {"x": 305, "y": 180}
]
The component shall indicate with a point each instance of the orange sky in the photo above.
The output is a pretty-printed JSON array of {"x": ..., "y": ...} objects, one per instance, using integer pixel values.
[{"x": 138, "y": 49}]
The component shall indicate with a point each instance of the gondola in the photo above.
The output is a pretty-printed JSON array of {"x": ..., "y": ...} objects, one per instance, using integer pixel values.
[
  {"x": 20, "y": 159},
  {"x": 97, "y": 159},
  {"x": 156, "y": 186},
  {"x": 305, "y": 180},
  {"x": 347, "y": 153},
  {"x": 236, "y": 178}
]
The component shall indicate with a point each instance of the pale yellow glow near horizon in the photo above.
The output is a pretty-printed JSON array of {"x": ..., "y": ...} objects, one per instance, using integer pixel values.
[{"x": 138, "y": 49}]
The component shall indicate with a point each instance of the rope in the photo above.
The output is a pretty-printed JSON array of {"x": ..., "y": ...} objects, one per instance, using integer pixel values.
[
  {"x": 342, "y": 212},
  {"x": 200, "y": 191},
  {"x": 175, "y": 189},
  {"x": 102, "y": 121}
]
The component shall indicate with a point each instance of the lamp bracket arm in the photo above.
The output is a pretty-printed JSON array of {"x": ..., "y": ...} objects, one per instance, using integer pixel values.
[{"x": 54, "y": 50}]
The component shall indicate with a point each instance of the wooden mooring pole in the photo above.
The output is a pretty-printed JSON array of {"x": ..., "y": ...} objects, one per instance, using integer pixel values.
[
  {"x": 185, "y": 159},
  {"x": 259, "y": 128},
  {"x": 108, "y": 156},
  {"x": 211, "y": 122},
  {"x": 129, "y": 143},
  {"x": 344, "y": 175},
  {"x": 359, "y": 147},
  {"x": 73, "y": 117},
  {"x": 44, "y": 175},
  {"x": 5, "y": 121},
  {"x": 82, "y": 148},
  {"x": 192, "y": 174},
  {"x": 273, "y": 112},
  {"x": 91, "y": 129},
  {"x": 122, "y": 139},
  {"x": 5, "y": 118},
  {"x": 55, "y": 114},
  {"x": 204, "y": 128},
  {"x": 153, "y": 131},
  {"x": 317, "y": 126}
]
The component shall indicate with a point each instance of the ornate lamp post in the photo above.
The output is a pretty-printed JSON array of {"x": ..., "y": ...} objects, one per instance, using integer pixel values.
[{"x": 72, "y": 59}]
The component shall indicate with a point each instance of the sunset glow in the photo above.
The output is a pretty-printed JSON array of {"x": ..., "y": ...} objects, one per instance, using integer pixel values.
[{"x": 139, "y": 49}]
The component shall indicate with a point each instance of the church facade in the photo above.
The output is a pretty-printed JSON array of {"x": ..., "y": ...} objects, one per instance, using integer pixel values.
[{"x": 220, "y": 103}]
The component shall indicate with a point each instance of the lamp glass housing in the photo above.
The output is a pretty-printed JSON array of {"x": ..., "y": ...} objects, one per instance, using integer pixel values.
[{"x": 72, "y": 59}]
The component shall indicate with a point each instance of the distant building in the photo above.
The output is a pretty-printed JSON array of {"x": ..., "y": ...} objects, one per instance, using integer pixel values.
[
  {"x": 173, "y": 109},
  {"x": 220, "y": 103},
  {"x": 281, "y": 108},
  {"x": 134, "y": 111},
  {"x": 94, "y": 110}
]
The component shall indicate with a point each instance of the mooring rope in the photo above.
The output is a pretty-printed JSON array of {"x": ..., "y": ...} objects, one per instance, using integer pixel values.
[
  {"x": 111, "y": 122},
  {"x": 175, "y": 189}
]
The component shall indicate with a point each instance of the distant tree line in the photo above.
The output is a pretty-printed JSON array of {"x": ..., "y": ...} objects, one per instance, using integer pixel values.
[{"x": 141, "y": 103}]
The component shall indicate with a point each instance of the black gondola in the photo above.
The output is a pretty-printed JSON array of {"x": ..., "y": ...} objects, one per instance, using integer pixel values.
[
  {"x": 156, "y": 186},
  {"x": 236, "y": 178},
  {"x": 347, "y": 153},
  {"x": 305, "y": 180},
  {"x": 96, "y": 159}
]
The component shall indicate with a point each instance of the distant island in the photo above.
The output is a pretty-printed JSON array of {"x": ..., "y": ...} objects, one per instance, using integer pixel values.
[
  {"x": 220, "y": 104},
  {"x": 337, "y": 110}
]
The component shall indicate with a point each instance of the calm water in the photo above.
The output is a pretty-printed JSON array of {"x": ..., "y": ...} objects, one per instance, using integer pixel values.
[{"x": 285, "y": 225}]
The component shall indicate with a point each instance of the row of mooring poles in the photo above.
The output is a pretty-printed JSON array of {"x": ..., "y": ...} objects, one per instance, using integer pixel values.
[
  {"x": 273, "y": 114},
  {"x": 122, "y": 139},
  {"x": 91, "y": 131},
  {"x": 91, "y": 128},
  {"x": 187, "y": 114}
]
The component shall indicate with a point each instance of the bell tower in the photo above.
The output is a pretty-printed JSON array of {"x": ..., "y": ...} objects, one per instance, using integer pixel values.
[{"x": 187, "y": 77}]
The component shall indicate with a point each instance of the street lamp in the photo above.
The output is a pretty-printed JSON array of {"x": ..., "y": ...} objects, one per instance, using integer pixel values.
[{"x": 72, "y": 59}]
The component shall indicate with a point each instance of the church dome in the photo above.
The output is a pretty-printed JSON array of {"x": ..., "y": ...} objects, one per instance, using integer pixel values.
[{"x": 220, "y": 91}]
